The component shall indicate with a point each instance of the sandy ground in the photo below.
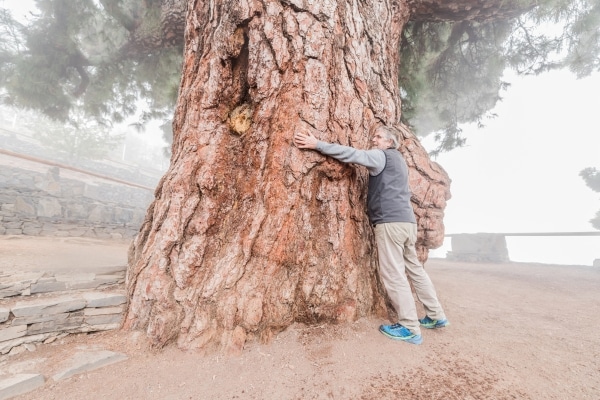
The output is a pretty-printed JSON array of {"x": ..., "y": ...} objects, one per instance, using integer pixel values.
[
  {"x": 518, "y": 331},
  {"x": 60, "y": 254}
]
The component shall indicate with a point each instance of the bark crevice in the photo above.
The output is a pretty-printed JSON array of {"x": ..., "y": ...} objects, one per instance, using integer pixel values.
[{"x": 266, "y": 234}]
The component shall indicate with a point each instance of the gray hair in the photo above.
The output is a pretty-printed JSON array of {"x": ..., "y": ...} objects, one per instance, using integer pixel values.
[{"x": 390, "y": 134}]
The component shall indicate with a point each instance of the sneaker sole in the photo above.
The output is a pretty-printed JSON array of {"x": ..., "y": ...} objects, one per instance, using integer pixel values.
[{"x": 411, "y": 340}]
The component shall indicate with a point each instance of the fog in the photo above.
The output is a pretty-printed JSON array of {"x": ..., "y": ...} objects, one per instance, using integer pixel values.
[
  {"x": 520, "y": 173},
  {"x": 129, "y": 145},
  {"x": 29, "y": 132}
]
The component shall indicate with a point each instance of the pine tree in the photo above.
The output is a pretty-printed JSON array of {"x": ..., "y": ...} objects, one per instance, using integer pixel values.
[{"x": 591, "y": 176}]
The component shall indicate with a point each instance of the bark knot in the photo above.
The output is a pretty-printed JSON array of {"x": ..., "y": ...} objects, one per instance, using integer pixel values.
[{"x": 240, "y": 119}]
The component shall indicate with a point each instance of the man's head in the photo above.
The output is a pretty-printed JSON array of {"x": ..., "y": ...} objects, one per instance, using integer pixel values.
[{"x": 383, "y": 138}]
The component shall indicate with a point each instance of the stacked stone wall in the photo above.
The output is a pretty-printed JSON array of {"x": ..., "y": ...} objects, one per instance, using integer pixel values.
[
  {"x": 43, "y": 203},
  {"x": 39, "y": 307}
]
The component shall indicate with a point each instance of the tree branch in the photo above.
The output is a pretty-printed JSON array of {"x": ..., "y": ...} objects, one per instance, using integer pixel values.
[
  {"x": 470, "y": 10},
  {"x": 113, "y": 9}
]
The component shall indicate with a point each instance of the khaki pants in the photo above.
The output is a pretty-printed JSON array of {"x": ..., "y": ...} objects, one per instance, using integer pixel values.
[{"x": 397, "y": 262}]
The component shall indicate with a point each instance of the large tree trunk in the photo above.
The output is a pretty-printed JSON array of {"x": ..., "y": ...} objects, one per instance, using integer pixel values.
[{"x": 248, "y": 234}]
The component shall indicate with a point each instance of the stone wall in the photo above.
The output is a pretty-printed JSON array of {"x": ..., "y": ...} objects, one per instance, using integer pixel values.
[
  {"x": 50, "y": 201},
  {"x": 478, "y": 247},
  {"x": 39, "y": 307}
]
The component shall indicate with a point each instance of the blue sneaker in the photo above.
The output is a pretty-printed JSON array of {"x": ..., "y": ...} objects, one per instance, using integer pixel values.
[
  {"x": 399, "y": 332},
  {"x": 433, "y": 323}
]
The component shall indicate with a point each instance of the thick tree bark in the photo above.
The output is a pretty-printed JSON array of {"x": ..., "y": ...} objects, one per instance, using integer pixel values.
[{"x": 248, "y": 234}]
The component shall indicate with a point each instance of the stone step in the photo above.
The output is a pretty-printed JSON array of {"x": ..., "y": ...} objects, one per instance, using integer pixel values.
[
  {"x": 88, "y": 361},
  {"x": 80, "y": 362},
  {"x": 35, "y": 283},
  {"x": 19, "y": 384},
  {"x": 38, "y": 319}
]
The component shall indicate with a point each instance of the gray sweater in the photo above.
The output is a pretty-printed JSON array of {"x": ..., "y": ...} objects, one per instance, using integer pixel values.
[
  {"x": 389, "y": 195},
  {"x": 373, "y": 159}
]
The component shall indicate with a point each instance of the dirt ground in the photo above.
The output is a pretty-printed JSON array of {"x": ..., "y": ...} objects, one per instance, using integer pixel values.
[
  {"x": 60, "y": 254},
  {"x": 518, "y": 331}
]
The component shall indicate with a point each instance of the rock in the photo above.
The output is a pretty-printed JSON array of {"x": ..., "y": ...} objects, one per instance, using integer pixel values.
[
  {"x": 30, "y": 347},
  {"x": 46, "y": 307},
  {"x": 96, "y": 328},
  {"x": 102, "y": 299},
  {"x": 7, "y": 346},
  {"x": 51, "y": 339},
  {"x": 72, "y": 322},
  {"x": 46, "y": 287},
  {"x": 108, "y": 319},
  {"x": 49, "y": 207},
  {"x": 19, "y": 384},
  {"x": 103, "y": 311},
  {"x": 13, "y": 332},
  {"x": 33, "y": 319},
  {"x": 4, "y": 314},
  {"x": 88, "y": 361},
  {"x": 24, "y": 206}
]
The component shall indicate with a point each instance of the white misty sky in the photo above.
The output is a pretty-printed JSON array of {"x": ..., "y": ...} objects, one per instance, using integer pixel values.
[
  {"x": 20, "y": 8},
  {"x": 520, "y": 173}
]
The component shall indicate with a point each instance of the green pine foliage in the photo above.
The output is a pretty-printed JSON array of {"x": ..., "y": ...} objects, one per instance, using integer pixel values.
[
  {"x": 591, "y": 176},
  {"x": 451, "y": 72},
  {"x": 74, "y": 56}
]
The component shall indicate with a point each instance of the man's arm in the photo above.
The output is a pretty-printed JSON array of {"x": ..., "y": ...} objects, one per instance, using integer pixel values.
[{"x": 374, "y": 159}]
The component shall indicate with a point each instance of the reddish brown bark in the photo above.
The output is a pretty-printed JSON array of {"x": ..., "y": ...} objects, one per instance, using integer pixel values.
[{"x": 248, "y": 234}]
